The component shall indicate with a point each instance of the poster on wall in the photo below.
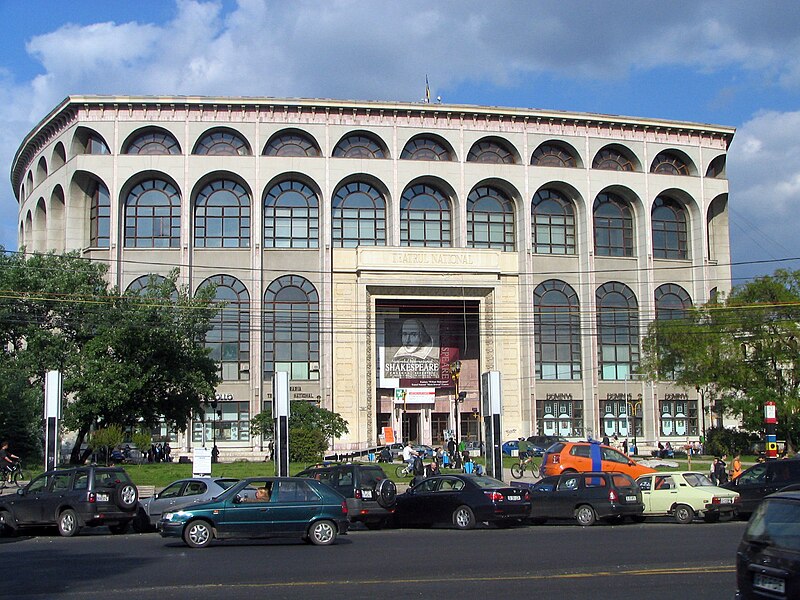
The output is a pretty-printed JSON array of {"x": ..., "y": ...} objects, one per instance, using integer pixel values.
[{"x": 414, "y": 352}]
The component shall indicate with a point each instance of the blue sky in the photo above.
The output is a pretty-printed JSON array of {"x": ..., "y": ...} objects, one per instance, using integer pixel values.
[{"x": 730, "y": 63}]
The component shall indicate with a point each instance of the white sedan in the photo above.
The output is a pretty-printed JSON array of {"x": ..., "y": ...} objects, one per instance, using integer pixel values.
[{"x": 685, "y": 495}]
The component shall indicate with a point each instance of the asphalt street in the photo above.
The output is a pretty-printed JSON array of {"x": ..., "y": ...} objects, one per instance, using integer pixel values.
[{"x": 654, "y": 560}]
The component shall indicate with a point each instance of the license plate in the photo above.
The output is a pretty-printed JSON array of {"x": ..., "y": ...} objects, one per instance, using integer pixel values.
[
  {"x": 512, "y": 498},
  {"x": 102, "y": 497},
  {"x": 726, "y": 500},
  {"x": 765, "y": 582},
  {"x": 630, "y": 498},
  {"x": 366, "y": 493}
]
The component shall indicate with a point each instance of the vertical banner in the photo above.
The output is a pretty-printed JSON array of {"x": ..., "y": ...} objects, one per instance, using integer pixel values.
[
  {"x": 280, "y": 413},
  {"x": 771, "y": 429},
  {"x": 491, "y": 396},
  {"x": 52, "y": 414}
]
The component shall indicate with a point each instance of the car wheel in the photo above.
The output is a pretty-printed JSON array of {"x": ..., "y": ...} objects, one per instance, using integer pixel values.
[
  {"x": 119, "y": 528},
  {"x": 711, "y": 517},
  {"x": 386, "y": 493},
  {"x": 198, "y": 534},
  {"x": 725, "y": 517},
  {"x": 585, "y": 515},
  {"x": 141, "y": 522},
  {"x": 6, "y": 526},
  {"x": 68, "y": 524},
  {"x": 463, "y": 517},
  {"x": 683, "y": 514},
  {"x": 126, "y": 496},
  {"x": 322, "y": 533}
]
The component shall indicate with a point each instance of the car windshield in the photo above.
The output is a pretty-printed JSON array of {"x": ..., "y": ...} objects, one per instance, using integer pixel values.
[
  {"x": 487, "y": 482},
  {"x": 697, "y": 479},
  {"x": 776, "y": 522}
]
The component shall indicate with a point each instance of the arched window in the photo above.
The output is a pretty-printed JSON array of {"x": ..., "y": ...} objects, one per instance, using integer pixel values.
[
  {"x": 222, "y": 143},
  {"x": 41, "y": 170},
  {"x": 359, "y": 146},
  {"x": 153, "y": 142},
  {"x": 668, "y": 163},
  {"x": 96, "y": 145},
  {"x": 716, "y": 168},
  {"x": 670, "y": 238},
  {"x": 490, "y": 219},
  {"x": 425, "y": 148},
  {"x": 359, "y": 216},
  {"x": 153, "y": 215},
  {"x": 293, "y": 144},
  {"x": 618, "y": 331},
  {"x": 99, "y": 216},
  {"x": 611, "y": 159},
  {"x": 491, "y": 152},
  {"x": 291, "y": 328},
  {"x": 149, "y": 285},
  {"x": 553, "y": 155},
  {"x": 672, "y": 302},
  {"x": 229, "y": 336},
  {"x": 557, "y": 331},
  {"x": 291, "y": 216},
  {"x": 222, "y": 216},
  {"x": 553, "y": 227},
  {"x": 613, "y": 226},
  {"x": 424, "y": 217}
]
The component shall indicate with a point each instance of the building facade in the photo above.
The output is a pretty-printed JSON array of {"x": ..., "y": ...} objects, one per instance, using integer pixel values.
[{"x": 386, "y": 254}]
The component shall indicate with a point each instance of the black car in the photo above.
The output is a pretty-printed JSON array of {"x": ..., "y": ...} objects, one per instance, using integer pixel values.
[
  {"x": 71, "y": 499},
  {"x": 461, "y": 500},
  {"x": 586, "y": 497},
  {"x": 763, "y": 479},
  {"x": 540, "y": 443},
  {"x": 768, "y": 558},
  {"x": 370, "y": 494}
]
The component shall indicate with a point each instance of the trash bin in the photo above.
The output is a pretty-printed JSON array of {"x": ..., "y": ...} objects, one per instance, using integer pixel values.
[{"x": 371, "y": 457}]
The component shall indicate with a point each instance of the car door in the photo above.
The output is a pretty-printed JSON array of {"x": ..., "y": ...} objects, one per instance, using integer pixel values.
[
  {"x": 565, "y": 496},
  {"x": 752, "y": 486},
  {"x": 580, "y": 457},
  {"x": 244, "y": 515},
  {"x": 166, "y": 500},
  {"x": 663, "y": 494},
  {"x": 28, "y": 507},
  {"x": 416, "y": 504},
  {"x": 645, "y": 483},
  {"x": 55, "y": 495},
  {"x": 447, "y": 497},
  {"x": 292, "y": 506},
  {"x": 614, "y": 460}
]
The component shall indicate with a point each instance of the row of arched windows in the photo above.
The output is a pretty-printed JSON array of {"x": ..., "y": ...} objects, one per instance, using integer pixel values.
[
  {"x": 358, "y": 218},
  {"x": 290, "y": 326},
  {"x": 296, "y": 143},
  {"x": 557, "y": 327}
]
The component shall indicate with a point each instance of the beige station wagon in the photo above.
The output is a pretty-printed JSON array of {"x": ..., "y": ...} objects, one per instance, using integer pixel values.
[{"x": 685, "y": 495}]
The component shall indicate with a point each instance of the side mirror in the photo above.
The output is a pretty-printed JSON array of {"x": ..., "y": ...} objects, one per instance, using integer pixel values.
[{"x": 21, "y": 492}]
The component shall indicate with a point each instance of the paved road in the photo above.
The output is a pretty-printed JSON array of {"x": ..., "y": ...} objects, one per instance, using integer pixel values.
[{"x": 652, "y": 560}]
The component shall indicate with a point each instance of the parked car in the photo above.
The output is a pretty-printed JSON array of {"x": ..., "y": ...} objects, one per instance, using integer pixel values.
[
  {"x": 768, "y": 557},
  {"x": 178, "y": 494},
  {"x": 540, "y": 443},
  {"x": 423, "y": 450},
  {"x": 685, "y": 495},
  {"x": 586, "y": 497},
  {"x": 72, "y": 499},
  {"x": 396, "y": 450},
  {"x": 260, "y": 507},
  {"x": 462, "y": 501},
  {"x": 509, "y": 447},
  {"x": 370, "y": 493},
  {"x": 763, "y": 479},
  {"x": 576, "y": 457}
]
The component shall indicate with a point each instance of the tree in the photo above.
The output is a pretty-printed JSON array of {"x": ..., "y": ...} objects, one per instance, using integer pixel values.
[
  {"x": 107, "y": 438},
  {"x": 741, "y": 352},
  {"x": 127, "y": 359},
  {"x": 310, "y": 429}
]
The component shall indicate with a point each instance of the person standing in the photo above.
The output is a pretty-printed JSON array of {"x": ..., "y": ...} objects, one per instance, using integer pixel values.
[
  {"x": 625, "y": 446},
  {"x": 712, "y": 471},
  {"x": 451, "y": 450},
  {"x": 736, "y": 467}
]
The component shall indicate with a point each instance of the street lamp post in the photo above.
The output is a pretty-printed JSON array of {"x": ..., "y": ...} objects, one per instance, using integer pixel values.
[
  {"x": 455, "y": 373},
  {"x": 632, "y": 407}
]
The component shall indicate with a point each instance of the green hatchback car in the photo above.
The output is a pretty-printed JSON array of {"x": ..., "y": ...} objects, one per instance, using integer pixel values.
[{"x": 260, "y": 507}]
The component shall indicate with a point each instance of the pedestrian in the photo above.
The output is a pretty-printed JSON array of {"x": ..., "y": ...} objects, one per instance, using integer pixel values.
[
  {"x": 712, "y": 475},
  {"x": 720, "y": 472},
  {"x": 215, "y": 454},
  {"x": 625, "y": 446},
  {"x": 451, "y": 450},
  {"x": 167, "y": 452},
  {"x": 605, "y": 440},
  {"x": 737, "y": 467}
]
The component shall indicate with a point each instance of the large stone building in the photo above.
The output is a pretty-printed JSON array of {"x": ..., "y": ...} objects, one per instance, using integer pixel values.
[{"x": 368, "y": 248}]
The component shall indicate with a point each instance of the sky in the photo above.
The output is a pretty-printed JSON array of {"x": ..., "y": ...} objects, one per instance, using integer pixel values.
[{"x": 727, "y": 62}]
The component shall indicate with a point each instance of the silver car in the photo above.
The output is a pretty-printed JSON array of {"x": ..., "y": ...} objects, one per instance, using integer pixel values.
[{"x": 178, "y": 494}]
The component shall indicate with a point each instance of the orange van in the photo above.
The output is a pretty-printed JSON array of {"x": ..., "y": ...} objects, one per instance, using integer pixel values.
[{"x": 570, "y": 457}]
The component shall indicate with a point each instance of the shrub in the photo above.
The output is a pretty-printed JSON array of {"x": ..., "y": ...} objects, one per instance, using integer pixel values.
[{"x": 720, "y": 440}]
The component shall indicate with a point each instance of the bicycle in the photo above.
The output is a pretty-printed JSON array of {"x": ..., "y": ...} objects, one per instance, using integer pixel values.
[
  {"x": 518, "y": 469},
  {"x": 13, "y": 474},
  {"x": 404, "y": 470}
]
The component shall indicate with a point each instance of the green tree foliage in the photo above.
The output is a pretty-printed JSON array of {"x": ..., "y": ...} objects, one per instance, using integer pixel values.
[
  {"x": 739, "y": 353},
  {"x": 107, "y": 439},
  {"x": 21, "y": 412},
  {"x": 127, "y": 359},
  {"x": 310, "y": 429}
]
